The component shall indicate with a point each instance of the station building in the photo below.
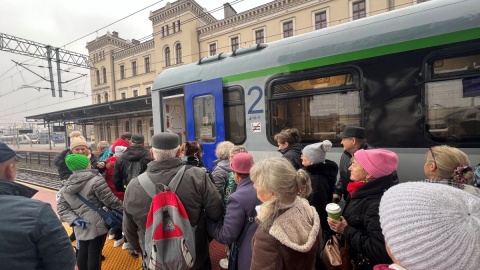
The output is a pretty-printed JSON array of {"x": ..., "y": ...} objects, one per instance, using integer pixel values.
[{"x": 184, "y": 32}]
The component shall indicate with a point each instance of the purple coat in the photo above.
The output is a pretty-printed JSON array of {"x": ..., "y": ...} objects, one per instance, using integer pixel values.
[{"x": 240, "y": 205}]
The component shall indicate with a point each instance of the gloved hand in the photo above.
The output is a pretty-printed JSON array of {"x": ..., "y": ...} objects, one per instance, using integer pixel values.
[{"x": 82, "y": 223}]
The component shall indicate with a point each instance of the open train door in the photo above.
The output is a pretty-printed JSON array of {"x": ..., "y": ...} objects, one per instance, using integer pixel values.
[{"x": 205, "y": 117}]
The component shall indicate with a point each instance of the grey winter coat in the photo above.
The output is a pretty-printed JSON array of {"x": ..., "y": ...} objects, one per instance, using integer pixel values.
[
  {"x": 196, "y": 192},
  {"x": 31, "y": 235},
  {"x": 93, "y": 187},
  {"x": 220, "y": 174}
]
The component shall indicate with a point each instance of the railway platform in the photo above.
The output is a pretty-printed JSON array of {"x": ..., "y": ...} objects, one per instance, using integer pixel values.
[{"x": 116, "y": 258}]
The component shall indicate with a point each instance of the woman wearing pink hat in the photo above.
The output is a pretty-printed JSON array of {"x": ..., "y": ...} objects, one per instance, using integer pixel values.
[{"x": 371, "y": 173}]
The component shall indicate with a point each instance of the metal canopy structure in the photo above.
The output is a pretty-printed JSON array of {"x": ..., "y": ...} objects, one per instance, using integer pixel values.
[{"x": 132, "y": 107}]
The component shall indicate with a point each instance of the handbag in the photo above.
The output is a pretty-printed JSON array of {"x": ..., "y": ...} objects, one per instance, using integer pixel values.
[
  {"x": 111, "y": 217},
  {"x": 335, "y": 255}
]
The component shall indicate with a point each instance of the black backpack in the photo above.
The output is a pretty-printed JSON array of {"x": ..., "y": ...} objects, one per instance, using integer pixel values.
[{"x": 134, "y": 169}]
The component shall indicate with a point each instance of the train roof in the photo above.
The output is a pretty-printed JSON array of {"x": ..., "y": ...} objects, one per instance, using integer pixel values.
[{"x": 423, "y": 25}]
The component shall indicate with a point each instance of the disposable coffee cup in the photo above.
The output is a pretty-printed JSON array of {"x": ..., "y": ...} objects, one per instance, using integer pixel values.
[{"x": 334, "y": 211}]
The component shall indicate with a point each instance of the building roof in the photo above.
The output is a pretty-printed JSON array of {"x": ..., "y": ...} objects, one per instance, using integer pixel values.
[{"x": 136, "y": 106}]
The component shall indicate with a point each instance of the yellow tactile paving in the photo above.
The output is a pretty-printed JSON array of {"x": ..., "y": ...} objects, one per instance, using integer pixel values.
[{"x": 115, "y": 258}]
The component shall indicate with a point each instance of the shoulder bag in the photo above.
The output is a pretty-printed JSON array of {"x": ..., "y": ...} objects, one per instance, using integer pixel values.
[{"x": 112, "y": 217}]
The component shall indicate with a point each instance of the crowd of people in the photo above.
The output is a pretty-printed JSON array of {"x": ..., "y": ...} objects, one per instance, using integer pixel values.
[{"x": 270, "y": 214}]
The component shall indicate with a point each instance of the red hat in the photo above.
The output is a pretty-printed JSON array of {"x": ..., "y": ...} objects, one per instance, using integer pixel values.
[
  {"x": 241, "y": 163},
  {"x": 119, "y": 142}
]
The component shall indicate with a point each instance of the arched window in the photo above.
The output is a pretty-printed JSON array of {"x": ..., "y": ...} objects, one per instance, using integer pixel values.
[
  {"x": 97, "y": 73},
  {"x": 139, "y": 126},
  {"x": 104, "y": 71},
  {"x": 127, "y": 126},
  {"x": 106, "y": 97},
  {"x": 109, "y": 132},
  {"x": 178, "y": 53},
  {"x": 167, "y": 56},
  {"x": 99, "y": 99}
]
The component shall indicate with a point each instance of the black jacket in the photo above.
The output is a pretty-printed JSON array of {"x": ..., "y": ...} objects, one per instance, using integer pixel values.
[
  {"x": 63, "y": 171},
  {"x": 363, "y": 233},
  {"x": 134, "y": 153},
  {"x": 323, "y": 177},
  {"x": 293, "y": 153}
]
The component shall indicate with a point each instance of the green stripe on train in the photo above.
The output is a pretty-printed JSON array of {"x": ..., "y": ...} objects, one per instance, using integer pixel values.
[{"x": 443, "y": 39}]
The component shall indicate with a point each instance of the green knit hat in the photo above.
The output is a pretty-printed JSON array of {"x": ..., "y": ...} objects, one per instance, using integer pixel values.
[{"x": 77, "y": 162}]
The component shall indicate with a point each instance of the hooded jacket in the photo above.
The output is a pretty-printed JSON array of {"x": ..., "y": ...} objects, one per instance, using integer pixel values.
[
  {"x": 220, "y": 174},
  {"x": 31, "y": 235},
  {"x": 292, "y": 241},
  {"x": 293, "y": 153},
  {"x": 93, "y": 187},
  {"x": 134, "y": 153},
  {"x": 323, "y": 177}
]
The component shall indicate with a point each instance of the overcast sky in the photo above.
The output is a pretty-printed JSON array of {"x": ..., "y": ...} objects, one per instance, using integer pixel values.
[{"x": 57, "y": 23}]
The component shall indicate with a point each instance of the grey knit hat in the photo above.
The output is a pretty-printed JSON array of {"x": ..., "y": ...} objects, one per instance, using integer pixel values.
[
  {"x": 431, "y": 226},
  {"x": 165, "y": 141},
  {"x": 316, "y": 152}
]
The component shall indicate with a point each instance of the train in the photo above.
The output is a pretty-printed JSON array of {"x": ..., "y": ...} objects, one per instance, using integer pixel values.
[{"x": 410, "y": 77}]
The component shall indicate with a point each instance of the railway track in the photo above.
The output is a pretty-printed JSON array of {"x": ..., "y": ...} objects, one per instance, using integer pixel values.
[{"x": 39, "y": 178}]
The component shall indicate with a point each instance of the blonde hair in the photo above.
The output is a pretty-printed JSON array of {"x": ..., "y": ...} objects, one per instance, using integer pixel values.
[
  {"x": 277, "y": 175},
  {"x": 237, "y": 149},
  {"x": 161, "y": 154},
  {"x": 448, "y": 159},
  {"x": 223, "y": 149}
]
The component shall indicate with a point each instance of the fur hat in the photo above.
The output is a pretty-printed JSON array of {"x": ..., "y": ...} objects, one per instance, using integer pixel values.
[
  {"x": 119, "y": 150},
  {"x": 165, "y": 141},
  {"x": 76, "y": 139},
  {"x": 241, "y": 163},
  {"x": 316, "y": 152},
  {"x": 377, "y": 162},
  {"x": 431, "y": 226},
  {"x": 77, "y": 162}
]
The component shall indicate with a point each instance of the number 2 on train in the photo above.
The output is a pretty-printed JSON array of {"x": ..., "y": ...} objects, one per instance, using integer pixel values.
[{"x": 252, "y": 109}]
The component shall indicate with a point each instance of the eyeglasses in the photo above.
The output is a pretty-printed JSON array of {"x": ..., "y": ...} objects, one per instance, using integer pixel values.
[{"x": 433, "y": 156}]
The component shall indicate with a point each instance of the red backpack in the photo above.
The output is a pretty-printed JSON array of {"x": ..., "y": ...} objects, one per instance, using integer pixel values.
[{"x": 169, "y": 237}]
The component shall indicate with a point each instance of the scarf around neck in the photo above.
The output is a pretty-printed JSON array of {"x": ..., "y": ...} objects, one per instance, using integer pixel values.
[{"x": 352, "y": 187}]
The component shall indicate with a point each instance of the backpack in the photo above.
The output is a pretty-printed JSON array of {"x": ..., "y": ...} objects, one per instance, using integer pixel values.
[
  {"x": 169, "y": 237},
  {"x": 134, "y": 169}
]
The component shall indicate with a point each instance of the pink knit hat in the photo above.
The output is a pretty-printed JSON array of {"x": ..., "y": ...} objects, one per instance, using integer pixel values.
[{"x": 377, "y": 162}]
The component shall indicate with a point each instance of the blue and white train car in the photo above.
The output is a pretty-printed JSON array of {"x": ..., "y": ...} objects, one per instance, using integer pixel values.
[{"x": 411, "y": 77}]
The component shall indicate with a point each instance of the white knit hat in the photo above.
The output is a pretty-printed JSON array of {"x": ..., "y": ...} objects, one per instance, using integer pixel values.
[
  {"x": 316, "y": 152},
  {"x": 431, "y": 226}
]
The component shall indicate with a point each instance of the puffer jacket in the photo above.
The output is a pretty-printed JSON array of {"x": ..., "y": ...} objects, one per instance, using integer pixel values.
[
  {"x": 63, "y": 171},
  {"x": 292, "y": 241},
  {"x": 134, "y": 153},
  {"x": 196, "y": 192},
  {"x": 93, "y": 187},
  {"x": 323, "y": 177},
  {"x": 293, "y": 153},
  {"x": 31, "y": 235},
  {"x": 363, "y": 232},
  {"x": 220, "y": 173}
]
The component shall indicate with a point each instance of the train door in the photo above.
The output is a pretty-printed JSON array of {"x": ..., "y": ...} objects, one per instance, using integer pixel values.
[
  {"x": 174, "y": 115},
  {"x": 205, "y": 116}
]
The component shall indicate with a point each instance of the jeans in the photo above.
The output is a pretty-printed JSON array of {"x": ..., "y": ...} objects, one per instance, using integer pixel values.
[{"x": 90, "y": 252}]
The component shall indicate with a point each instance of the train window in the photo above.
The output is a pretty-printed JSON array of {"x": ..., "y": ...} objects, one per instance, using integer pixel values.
[
  {"x": 453, "y": 109},
  {"x": 456, "y": 64},
  {"x": 204, "y": 118},
  {"x": 319, "y": 107},
  {"x": 234, "y": 106}
]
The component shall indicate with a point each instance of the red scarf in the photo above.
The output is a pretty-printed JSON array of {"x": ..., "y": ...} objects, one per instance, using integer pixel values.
[{"x": 352, "y": 187}]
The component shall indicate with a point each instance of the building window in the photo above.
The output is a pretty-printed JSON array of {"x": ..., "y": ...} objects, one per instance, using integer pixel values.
[
  {"x": 147, "y": 64},
  {"x": 288, "y": 29},
  {"x": 213, "y": 49},
  {"x": 97, "y": 74},
  {"x": 178, "y": 24},
  {"x": 99, "y": 98},
  {"x": 104, "y": 71},
  {"x": 320, "y": 20},
  {"x": 163, "y": 31},
  {"x": 167, "y": 56},
  {"x": 178, "y": 52},
  {"x": 259, "y": 36},
  {"x": 122, "y": 72},
  {"x": 135, "y": 93},
  {"x": 168, "y": 31},
  {"x": 173, "y": 27},
  {"x": 124, "y": 95},
  {"x": 127, "y": 126},
  {"x": 359, "y": 10},
  {"x": 134, "y": 68},
  {"x": 106, "y": 97},
  {"x": 139, "y": 127},
  {"x": 234, "y": 43},
  {"x": 148, "y": 90}
]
